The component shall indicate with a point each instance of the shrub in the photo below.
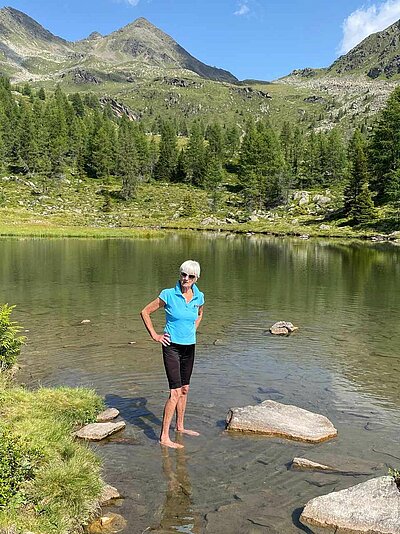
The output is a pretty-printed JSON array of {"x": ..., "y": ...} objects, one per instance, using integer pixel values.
[
  {"x": 17, "y": 464},
  {"x": 10, "y": 341}
]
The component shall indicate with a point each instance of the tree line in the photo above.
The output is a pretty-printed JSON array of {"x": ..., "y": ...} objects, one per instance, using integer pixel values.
[{"x": 49, "y": 134}]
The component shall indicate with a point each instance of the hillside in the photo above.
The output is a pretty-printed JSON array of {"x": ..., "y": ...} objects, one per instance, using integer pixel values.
[
  {"x": 144, "y": 69},
  {"x": 377, "y": 56}
]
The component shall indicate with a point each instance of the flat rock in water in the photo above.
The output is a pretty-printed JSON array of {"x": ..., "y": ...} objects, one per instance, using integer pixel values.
[
  {"x": 99, "y": 431},
  {"x": 303, "y": 463},
  {"x": 371, "y": 507},
  {"x": 107, "y": 415},
  {"x": 109, "y": 494},
  {"x": 281, "y": 420}
]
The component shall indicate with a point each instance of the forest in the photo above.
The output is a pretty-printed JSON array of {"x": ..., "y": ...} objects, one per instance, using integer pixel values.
[{"x": 47, "y": 135}]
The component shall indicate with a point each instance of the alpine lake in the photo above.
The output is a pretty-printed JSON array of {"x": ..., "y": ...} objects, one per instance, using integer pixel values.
[{"x": 343, "y": 362}]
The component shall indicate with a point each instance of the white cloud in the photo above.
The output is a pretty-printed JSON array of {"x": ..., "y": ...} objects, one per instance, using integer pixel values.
[
  {"x": 132, "y": 2},
  {"x": 243, "y": 9},
  {"x": 365, "y": 21}
]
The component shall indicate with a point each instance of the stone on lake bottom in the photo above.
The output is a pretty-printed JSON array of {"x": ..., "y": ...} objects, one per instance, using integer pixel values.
[
  {"x": 99, "y": 431},
  {"x": 281, "y": 420},
  {"x": 107, "y": 415},
  {"x": 370, "y": 507},
  {"x": 108, "y": 524},
  {"x": 85, "y": 321},
  {"x": 109, "y": 494},
  {"x": 304, "y": 463}
]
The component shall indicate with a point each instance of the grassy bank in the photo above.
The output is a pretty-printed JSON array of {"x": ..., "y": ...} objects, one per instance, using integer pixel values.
[
  {"x": 79, "y": 208},
  {"x": 49, "y": 482}
]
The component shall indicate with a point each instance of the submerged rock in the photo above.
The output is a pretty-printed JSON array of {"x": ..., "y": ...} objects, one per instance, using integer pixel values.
[
  {"x": 370, "y": 507},
  {"x": 107, "y": 415},
  {"x": 303, "y": 463},
  {"x": 282, "y": 328},
  {"x": 108, "y": 495},
  {"x": 99, "y": 431},
  {"x": 281, "y": 420},
  {"x": 108, "y": 524}
]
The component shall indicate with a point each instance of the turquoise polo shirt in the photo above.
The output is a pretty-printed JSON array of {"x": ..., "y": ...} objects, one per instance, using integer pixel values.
[{"x": 181, "y": 315}]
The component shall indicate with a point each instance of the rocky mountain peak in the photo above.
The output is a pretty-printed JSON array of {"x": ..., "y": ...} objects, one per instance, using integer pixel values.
[
  {"x": 12, "y": 19},
  {"x": 93, "y": 36}
]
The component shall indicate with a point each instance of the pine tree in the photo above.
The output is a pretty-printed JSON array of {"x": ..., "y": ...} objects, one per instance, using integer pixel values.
[
  {"x": 384, "y": 150},
  {"x": 195, "y": 157},
  {"x": 362, "y": 210},
  {"x": 127, "y": 159},
  {"x": 357, "y": 197},
  {"x": 168, "y": 153}
]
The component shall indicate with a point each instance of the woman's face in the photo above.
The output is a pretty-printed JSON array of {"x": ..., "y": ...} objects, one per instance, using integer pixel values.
[{"x": 187, "y": 280}]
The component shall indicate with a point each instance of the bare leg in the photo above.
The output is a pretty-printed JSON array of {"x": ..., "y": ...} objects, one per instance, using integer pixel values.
[
  {"x": 180, "y": 413},
  {"x": 169, "y": 410}
]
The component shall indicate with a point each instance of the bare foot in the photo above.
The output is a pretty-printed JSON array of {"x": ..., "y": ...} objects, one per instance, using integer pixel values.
[
  {"x": 171, "y": 444},
  {"x": 188, "y": 432}
]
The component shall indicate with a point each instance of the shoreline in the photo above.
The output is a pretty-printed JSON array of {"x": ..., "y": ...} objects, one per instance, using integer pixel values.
[{"x": 160, "y": 230}]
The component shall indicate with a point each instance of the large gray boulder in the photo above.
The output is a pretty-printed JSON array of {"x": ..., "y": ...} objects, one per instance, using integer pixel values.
[
  {"x": 281, "y": 420},
  {"x": 372, "y": 507},
  {"x": 99, "y": 431}
]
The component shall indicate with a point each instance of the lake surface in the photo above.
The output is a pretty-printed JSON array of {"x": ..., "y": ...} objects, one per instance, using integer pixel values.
[{"x": 344, "y": 362}]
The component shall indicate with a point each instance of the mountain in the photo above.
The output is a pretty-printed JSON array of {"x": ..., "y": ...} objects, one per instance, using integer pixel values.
[
  {"x": 30, "y": 52},
  {"x": 377, "y": 56}
]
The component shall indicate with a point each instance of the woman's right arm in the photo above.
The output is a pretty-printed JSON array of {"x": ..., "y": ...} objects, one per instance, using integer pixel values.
[{"x": 153, "y": 306}]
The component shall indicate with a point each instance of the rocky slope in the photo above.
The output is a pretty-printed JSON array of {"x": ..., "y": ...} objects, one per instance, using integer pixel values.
[{"x": 30, "y": 52}]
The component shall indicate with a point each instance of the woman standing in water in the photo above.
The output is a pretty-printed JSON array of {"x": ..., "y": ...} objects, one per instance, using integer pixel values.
[{"x": 183, "y": 306}]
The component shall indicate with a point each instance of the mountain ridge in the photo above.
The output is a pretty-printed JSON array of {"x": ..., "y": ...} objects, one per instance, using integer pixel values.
[{"x": 26, "y": 47}]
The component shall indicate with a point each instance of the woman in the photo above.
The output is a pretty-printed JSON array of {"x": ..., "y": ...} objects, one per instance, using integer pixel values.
[{"x": 183, "y": 306}]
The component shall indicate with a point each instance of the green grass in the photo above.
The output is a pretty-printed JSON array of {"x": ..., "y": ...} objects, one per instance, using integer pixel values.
[
  {"x": 78, "y": 208},
  {"x": 63, "y": 492}
]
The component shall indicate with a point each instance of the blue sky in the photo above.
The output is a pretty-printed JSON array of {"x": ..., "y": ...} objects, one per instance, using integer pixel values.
[{"x": 261, "y": 39}]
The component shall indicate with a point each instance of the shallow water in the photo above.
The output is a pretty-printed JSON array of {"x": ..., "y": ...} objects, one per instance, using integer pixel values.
[{"x": 344, "y": 362}]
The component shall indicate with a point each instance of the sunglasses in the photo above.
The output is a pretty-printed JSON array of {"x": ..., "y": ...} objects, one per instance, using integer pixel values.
[{"x": 190, "y": 276}]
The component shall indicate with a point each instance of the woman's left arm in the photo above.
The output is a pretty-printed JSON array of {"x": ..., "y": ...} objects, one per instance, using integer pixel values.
[{"x": 200, "y": 317}]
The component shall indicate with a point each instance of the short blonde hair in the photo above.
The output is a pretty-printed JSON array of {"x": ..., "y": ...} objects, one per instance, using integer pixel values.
[{"x": 190, "y": 267}]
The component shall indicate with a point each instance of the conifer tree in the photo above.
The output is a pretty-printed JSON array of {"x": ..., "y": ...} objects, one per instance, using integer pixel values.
[
  {"x": 384, "y": 150},
  {"x": 362, "y": 210},
  {"x": 127, "y": 159},
  {"x": 168, "y": 153},
  {"x": 195, "y": 157},
  {"x": 357, "y": 198}
]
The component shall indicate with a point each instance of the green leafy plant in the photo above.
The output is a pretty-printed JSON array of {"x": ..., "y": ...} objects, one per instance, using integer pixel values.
[
  {"x": 10, "y": 341},
  {"x": 17, "y": 465}
]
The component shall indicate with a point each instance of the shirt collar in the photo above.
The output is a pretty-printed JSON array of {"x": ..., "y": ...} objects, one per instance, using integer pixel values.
[{"x": 178, "y": 291}]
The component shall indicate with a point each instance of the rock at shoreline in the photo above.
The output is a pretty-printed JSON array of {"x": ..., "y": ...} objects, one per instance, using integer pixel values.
[
  {"x": 108, "y": 495},
  {"x": 107, "y": 524},
  {"x": 304, "y": 463},
  {"x": 107, "y": 415},
  {"x": 281, "y": 420},
  {"x": 99, "y": 431},
  {"x": 282, "y": 328},
  {"x": 373, "y": 506}
]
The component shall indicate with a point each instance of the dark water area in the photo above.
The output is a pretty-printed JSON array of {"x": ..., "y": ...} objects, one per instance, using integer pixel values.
[{"x": 344, "y": 362}]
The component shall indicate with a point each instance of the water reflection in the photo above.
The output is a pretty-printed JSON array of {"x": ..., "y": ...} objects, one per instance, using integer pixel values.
[{"x": 177, "y": 512}]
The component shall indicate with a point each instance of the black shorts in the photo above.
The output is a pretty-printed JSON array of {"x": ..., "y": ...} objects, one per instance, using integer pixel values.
[{"x": 178, "y": 363}]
